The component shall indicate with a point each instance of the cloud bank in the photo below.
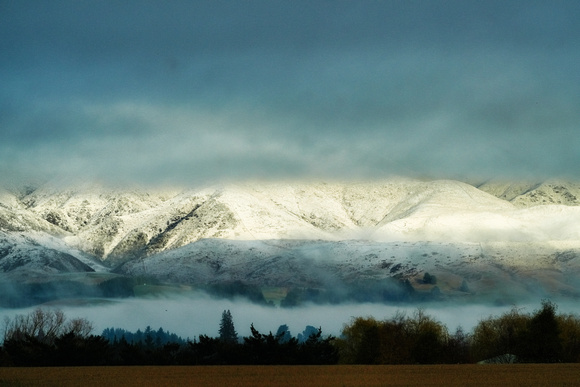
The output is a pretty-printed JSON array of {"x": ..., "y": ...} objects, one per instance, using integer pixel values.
[
  {"x": 191, "y": 317},
  {"x": 151, "y": 92}
]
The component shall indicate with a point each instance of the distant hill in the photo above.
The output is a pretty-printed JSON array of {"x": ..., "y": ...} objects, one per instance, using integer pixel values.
[
  {"x": 303, "y": 233},
  {"x": 524, "y": 194}
]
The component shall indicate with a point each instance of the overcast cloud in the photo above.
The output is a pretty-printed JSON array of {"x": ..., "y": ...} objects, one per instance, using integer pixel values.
[{"x": 190, "y": 92}]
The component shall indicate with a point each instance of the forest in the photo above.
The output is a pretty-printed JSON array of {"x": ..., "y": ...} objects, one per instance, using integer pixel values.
[{"x": 46, "y": 337}]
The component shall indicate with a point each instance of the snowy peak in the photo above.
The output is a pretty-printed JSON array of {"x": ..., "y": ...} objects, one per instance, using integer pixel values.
[
  {"x": 300, "y": 234},
  {"x": 118, "y": 225},
  {"x": 527, "y": 194},
  {"x": 30, "y": 253},
  {"x": 8, "y": 200}
]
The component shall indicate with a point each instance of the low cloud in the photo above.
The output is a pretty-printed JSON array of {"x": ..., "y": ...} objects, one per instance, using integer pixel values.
[{"x": 191, "y": 317}]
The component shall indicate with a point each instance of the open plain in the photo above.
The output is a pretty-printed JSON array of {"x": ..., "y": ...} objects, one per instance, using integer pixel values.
[{"x": 304, "y": 376}]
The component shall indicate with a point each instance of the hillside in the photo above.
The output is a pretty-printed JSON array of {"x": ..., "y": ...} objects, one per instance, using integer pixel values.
[
  {"x": 118, "y": 225},
  {"x": 304, "y": 234},
  {"x": 527, "y": 194}
]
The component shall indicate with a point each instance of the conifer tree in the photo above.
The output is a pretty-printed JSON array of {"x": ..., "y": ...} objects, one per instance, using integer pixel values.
[{"x": 227, "y": 330}]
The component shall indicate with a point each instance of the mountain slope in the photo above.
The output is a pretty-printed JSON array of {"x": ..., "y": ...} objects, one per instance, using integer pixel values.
[
  {"x": 26, "y": 254},
  {"x": 500, "y": 271},
  {"x": 526, "y": 194},
  {"x": 118, "y": 225},
  {"x": 302, "y": 234}
]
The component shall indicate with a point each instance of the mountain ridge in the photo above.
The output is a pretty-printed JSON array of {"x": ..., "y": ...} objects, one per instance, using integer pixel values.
[
  {"x": 112, "y": 224},
  {"x": 301, "y": 234}
]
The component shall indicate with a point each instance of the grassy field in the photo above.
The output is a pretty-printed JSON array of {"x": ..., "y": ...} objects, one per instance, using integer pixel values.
[{"x": 303, "y": 376}]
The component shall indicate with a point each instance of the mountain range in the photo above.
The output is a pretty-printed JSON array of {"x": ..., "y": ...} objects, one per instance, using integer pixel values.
[{"x": 493, "y": 239}]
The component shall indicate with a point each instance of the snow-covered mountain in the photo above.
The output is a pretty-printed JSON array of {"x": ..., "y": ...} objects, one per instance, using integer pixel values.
[
  {"x": 300, "y": 234},
  {"x": 116, "y": 225},
  {"x": 527, "y": 194}
]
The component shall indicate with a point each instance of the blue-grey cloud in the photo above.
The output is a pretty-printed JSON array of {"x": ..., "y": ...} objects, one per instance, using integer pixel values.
[{"x": 189, "y": 92}]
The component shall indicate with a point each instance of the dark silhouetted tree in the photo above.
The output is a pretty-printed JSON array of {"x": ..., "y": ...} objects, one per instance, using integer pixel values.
[
  {"x": 318, "y": 350},
  {"x": 360, "y": 342},
  {"x": 429, "y": 338},
  {"x": 254, "y": 346},
  {"x": 227, "y": 330},
  {"x": 498, "y": 336},
  {"x": 570, "y": 337},
  {"x": 457, "y": 348},
  {"x": 542, "y": 344}
]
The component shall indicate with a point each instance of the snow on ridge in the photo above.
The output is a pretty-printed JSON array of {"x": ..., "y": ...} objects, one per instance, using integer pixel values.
[
  {"x": 116, "y": 224},
  {"x": 316, "y": 263},
  {"x": 9, "y": 200},
  {"x": 39, "y": 253},
  {"x": 296, "y": 233},
  {"x": 528, "y": 194}
]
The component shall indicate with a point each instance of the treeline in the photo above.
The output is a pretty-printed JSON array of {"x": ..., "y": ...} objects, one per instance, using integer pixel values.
[
  {"x": 47, "y": 338},
  {"x": 147, "y": 337},
  {"x": 539, "y": 337}
]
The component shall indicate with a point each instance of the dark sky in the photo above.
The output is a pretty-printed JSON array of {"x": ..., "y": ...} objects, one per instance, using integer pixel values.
[{"x": 190, "y": 92}]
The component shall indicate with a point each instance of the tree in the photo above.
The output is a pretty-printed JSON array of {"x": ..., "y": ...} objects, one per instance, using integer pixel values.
[
  {"x": 457, "y": 348},
  {"x": 33, "y": 339},
  {"x": 570, "y": 337},
  {"x": 400, "y": 340},
  {"x": 360, "y": 342},
  {"x": 543, "y": 343},
  {"x": 318, "y": 350},
  {"x": 429, "y": 338},
  {"x": 44, "y": 325},
  {"x": 254, "y": 346},
  {"x": 149, "y": 338},
  {"x": 227, "y": 330},
  {"x": 498, "y": 336}
]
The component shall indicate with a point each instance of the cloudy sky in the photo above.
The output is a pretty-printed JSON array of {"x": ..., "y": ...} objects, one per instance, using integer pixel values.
[{"x": 196, "y": 91}]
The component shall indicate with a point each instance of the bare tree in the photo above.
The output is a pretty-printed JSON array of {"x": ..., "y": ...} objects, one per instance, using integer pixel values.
[
  {"x": 45, "y": 325},
  {"x": 80, "y": 327}
]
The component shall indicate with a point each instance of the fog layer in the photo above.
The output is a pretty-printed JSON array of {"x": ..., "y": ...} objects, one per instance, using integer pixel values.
[{"x": 191, "y": 317}]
